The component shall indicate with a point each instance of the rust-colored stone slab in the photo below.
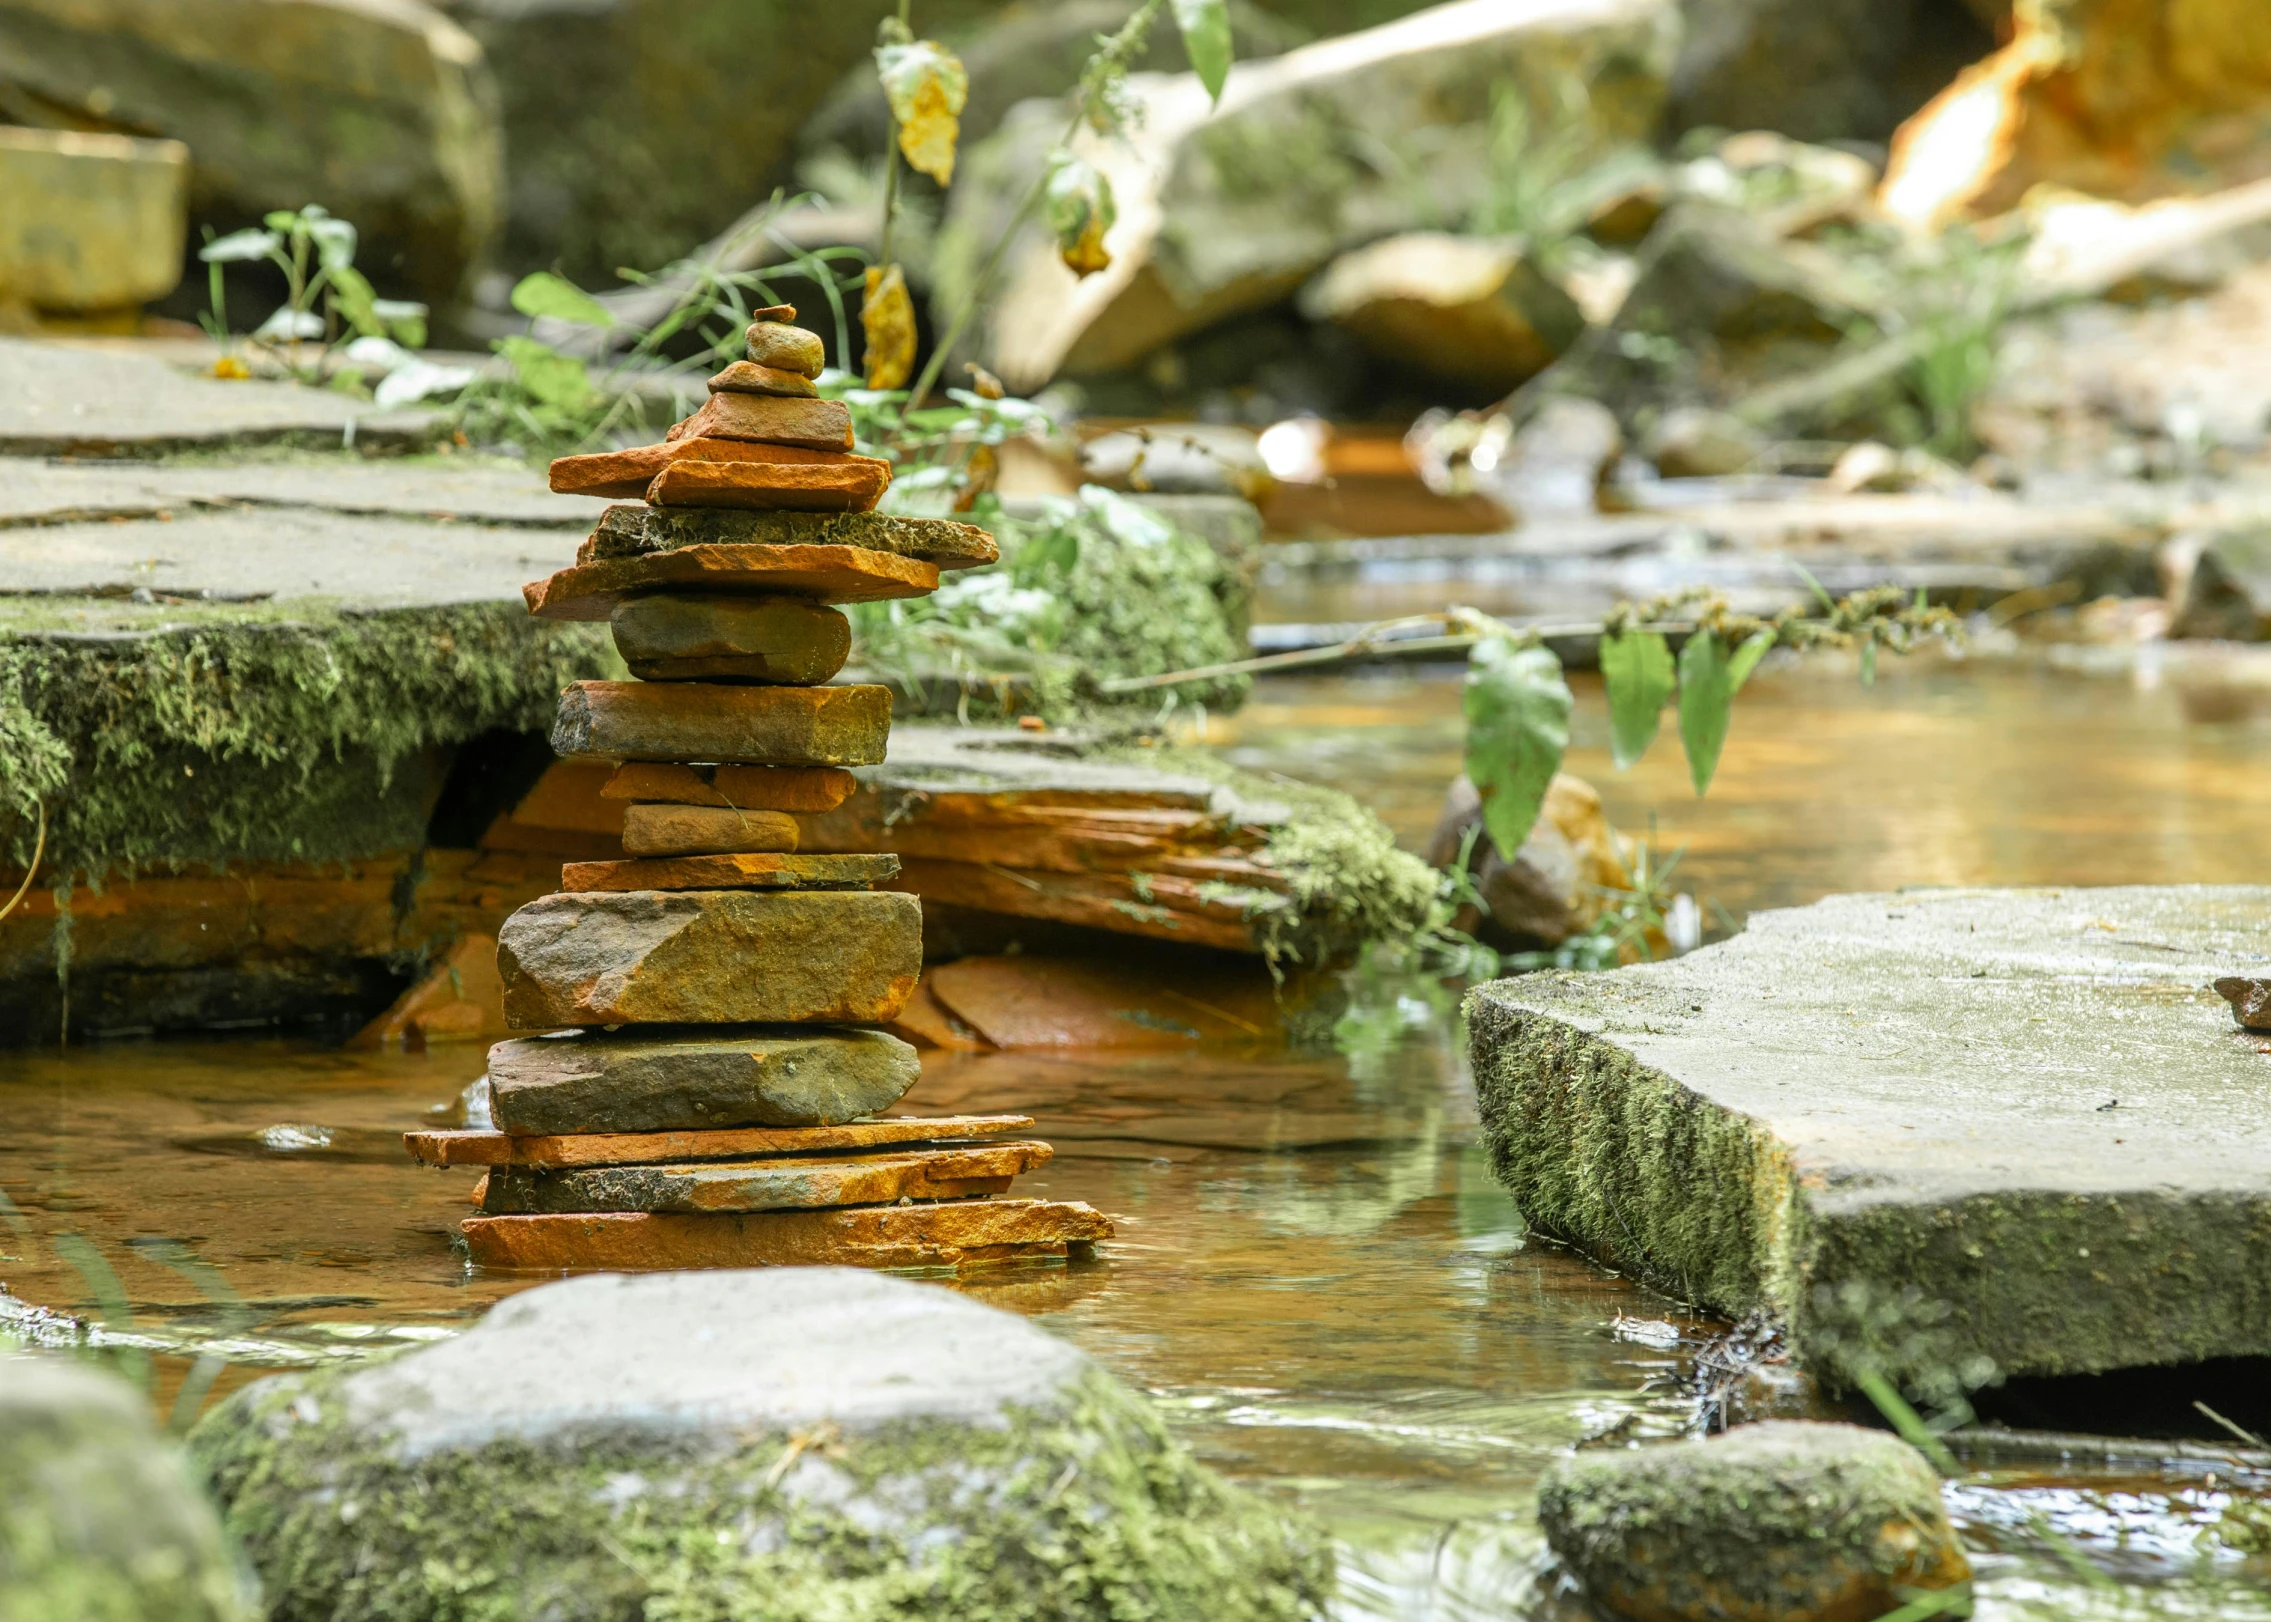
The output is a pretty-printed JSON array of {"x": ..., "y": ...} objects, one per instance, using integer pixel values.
[
  {"x": 697, "y": 636},
  {"x": 825, "y": 573},
  {"x": 627, "y": 473},
  {"x": 821, "y": 425},
  {"x": 790, "y": 349},
  {"x": 771, "y": 486},
  {"x": 673, "y": 721},
  {"x": 777, "y": 1183},
  {"x": 739, "y": 871},
  {"x": 626, "y": 530},
  {"x": 473, "y": 1148},
  {"x": 748, "y": 377},
  {"x": 710, "y": 957},
  {"x": 696, "y": 1080},
  {"x": 755, "y": 788},
  {"x": 873, "y": 1236},
  {"x": 705, "y": 830}
]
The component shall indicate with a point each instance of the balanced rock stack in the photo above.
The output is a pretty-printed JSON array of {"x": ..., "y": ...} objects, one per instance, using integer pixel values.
[{"x": 711, "y": 1092}]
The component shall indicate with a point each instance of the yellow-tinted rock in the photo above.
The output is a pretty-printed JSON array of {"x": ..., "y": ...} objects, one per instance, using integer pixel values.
[
  {"x": 695, "y": 636},
  {"x": 869, "y": 1236},
  {"x": 775, "y": 726},
  {"x": 90, "y": 222},
  {"x": 789, "y": 349},
  {"x": 704, "y": 830},
  {"x": 709, "y": 957}
]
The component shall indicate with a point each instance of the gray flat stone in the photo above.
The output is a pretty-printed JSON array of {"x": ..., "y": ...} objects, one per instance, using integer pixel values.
[
  {"x": 598, "y": 1083},
  {"x": 89, "y": 400},
  {"x": 583, "y": 1450},
  {"x": 2026, "y": 1106},
  {"x": 37, "y": 491}
]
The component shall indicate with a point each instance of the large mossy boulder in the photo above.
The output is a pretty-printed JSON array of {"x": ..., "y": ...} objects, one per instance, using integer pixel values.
[
  {"x": 1775, "y": 1522},
  {"x": 100, "y": 1519},
  {"x": 1227, "y": 210},
  {"x": 799, "y": 1442},
  {"x": 380, "y": 110}
]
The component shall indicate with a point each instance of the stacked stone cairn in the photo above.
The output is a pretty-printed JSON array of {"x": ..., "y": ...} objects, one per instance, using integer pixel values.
[{"x": 711, "y": 1091}]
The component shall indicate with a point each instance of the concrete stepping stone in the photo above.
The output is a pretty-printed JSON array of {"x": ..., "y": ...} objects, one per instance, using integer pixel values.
[
  {"x": 685, "y": 636},
  {"x": 786, "y": 1183},
  {"x": 756, "y": 788},
  {"x": 705, "y": 830},
  {"x": 468, "y": 1147},
  {"x": 625, "y": 530},
  {"x": 825, "y": 573},
  {"x": 821, "y": 425},
  {"x": 575, "y": 1455},
  {"x": 680, "y": 721},
  {"x": 943, "y": 1233},
  {"x": 741, "y": 871},
  {"x": 849, "y": 487},
  {"x": 2023, "y": 1109},
  {"x": 697, "y": 1080}
]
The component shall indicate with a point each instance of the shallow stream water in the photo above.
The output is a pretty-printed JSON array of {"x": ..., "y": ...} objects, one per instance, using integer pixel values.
[{"x": 1314, "y": 1273}]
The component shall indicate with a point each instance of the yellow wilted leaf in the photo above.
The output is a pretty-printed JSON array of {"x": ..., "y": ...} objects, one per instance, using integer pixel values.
[
  {"x": 1081, "y": 210},
  {"x": 927, "y": 87},
  {"x": 887, "y": 316}
]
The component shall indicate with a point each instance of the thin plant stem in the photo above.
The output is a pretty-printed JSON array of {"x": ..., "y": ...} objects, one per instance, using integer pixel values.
[{"x": 891, "y": 162}]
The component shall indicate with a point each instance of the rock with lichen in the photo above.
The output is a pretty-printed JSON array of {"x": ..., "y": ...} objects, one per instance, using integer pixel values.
[
  {"x": 99, "y": 1519},
  {"x": 788, "y": 1442},
  {"x": 1775, "y": 1522}
]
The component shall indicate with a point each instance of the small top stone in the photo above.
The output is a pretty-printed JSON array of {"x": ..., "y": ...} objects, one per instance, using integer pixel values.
[
  {"x": 785, "y": 348},
  {"x": 701, "y": 1358}
]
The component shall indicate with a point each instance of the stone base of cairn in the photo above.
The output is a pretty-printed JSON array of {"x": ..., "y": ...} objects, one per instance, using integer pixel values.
[{"x": 711, "y": 1094}]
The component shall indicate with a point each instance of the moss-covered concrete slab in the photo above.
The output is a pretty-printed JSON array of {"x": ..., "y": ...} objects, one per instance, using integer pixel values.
[
  {"x": 2024, "y": 1110},
  {"x": 108, "y": 400},
  {"x": 35, "y": 490}
]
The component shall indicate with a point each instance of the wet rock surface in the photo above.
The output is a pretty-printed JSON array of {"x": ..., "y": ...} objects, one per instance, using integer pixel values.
[
  {"x": 1775, "y": 1522},
  {"x": 784, "y": 640},
  {"x": 865, "y": 1445},
  {"x": 594, "y": 1082},
  {"x": 2024, "y": 1110},
  {"x": 100, "y": 1518},
  {"x": 710, "y": 957},
  {"x": 673, "y": 721}
]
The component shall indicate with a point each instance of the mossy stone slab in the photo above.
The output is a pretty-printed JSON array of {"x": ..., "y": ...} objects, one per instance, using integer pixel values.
[
  {"x": 576, "y": 1454},
  {"x": 2026, "y": 1110},
  {"x": 706, "y": 721},
  {"x": 625, "y": 531},
  {"x": 778, "y": 1183},
  {"x": 100, "y": 1517},
  {"x": 595, "y": 1082},
  {"x": 711, "y": 957},
  {"x": 1777, "y": 1522}
]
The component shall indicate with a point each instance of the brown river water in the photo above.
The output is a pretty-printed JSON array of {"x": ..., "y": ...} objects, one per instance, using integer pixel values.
[{"x": 1314, "y": 1274}]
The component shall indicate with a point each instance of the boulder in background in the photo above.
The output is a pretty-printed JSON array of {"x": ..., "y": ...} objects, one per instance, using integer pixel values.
[{"x": 1467, "y": 308}]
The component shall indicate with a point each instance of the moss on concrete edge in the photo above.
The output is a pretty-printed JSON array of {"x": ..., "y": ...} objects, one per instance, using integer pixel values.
[{"x": 1089, "y": 1509}]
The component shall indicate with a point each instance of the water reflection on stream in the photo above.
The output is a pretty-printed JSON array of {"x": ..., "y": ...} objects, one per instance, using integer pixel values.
[{"x": 1314, "y": 1273}]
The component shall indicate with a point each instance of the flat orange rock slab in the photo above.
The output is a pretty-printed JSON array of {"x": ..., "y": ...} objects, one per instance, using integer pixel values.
[
  {"x": 821, "y": 425},
  {"x": 749, "y": 788},
  {"x": 750, "y": 871},
  {"x": 826, "y": 574},
  {"x": 627, "y": 473},
  {"x": 472, "y": 1148},
  {"x": 772, "y": 486},
  {"x": 871, "y": 1236},
  {"x": 774, "y": 1183}
]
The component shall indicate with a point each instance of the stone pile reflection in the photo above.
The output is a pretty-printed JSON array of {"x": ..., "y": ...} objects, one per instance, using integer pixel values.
[{"x": 708, "y": 1095}]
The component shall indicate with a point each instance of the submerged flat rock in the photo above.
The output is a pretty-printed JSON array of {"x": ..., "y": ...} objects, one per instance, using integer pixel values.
[
  {"x": 780, "y": 1183},
  {"x": 2026, "y": 1106},
  {"x": 602, "y": 1083}
]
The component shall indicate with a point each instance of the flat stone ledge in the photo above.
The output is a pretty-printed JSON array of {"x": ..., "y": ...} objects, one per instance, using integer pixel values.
[{"x": 2027, "y": 1105}]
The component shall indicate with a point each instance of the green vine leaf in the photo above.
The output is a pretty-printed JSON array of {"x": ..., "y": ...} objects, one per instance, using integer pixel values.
[
  {"x": 551, "y": 378},
  {"x": 550, "y": 297},
  {"x": 1747, "y": 656},
  {"x": 1206, "y": 40},
  {"x": 1707, "y": 701},
  {"x": 1637, "y": 666},
  {"x": 1517, "y": 708}
]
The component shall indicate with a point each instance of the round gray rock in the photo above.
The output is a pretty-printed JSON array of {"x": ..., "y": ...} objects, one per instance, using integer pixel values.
[
  {"x": 785, "y": 1442},
  {"x": 1776, "y": 1522},
  {"x": 99, "y": 1517}
]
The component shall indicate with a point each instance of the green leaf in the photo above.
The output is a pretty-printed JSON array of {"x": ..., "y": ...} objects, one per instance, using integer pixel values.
[
  {"x": 1080, "y": 211},
  {"x": 551, "y": 378},
  {"x": 1517, "y": 729},
  {"x": 1206, "y": 40},
  {"x": 334, "y": 240},
  {"x": 1637, "y": 666},
  {"x": 240, "y": 247},
  {"x": 549, "y": 297},
  {"x": 1869, "y": 663},
  {"x": 1707, "y": 700},
  {"x": 1747, "y": 656},
  {"x": 356, "y": 302}
]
